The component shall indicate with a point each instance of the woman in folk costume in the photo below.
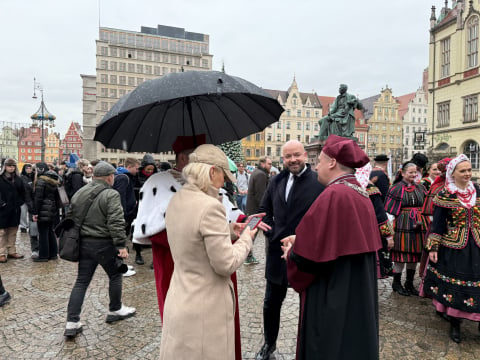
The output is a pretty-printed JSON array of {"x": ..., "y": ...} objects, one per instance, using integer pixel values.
[
  {"x": 431, "y": 174},
  {"x": 198, "y": 321},
  {"x": 427, "y": 210},
  {"x": 385, "y": 265},
  {"x": 452, "y": 278},
  {"x": 405, "y": 201}
]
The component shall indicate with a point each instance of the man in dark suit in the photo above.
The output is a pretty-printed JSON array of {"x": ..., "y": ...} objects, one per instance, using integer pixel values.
[
  {"x": 287, "y": 198},
  {"x": 379, "y": 172}
]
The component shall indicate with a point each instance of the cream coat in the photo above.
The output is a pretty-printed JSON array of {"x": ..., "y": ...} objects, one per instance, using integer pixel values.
[{"x": 200, "y": 304}]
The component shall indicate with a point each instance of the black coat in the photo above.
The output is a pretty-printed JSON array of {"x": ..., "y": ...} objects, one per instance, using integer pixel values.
[
  {"x": 12, "y": 196},
  {"x": 284, "y": 216},
  {"x": 383, "y": 183},
  {"x": 46, "y": 197}
]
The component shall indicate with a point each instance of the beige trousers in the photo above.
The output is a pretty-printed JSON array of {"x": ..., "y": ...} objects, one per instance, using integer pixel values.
[{"x": 8, "y": 237}]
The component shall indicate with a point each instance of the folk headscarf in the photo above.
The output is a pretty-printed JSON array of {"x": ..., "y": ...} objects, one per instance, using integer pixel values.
[
  {"x": 466, "y": 197},
  {"x": 363, "y": 175}
]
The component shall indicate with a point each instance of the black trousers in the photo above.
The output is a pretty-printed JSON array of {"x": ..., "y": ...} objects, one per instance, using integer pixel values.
[
  {"x": 47, "y": 241},
  {"x": 272, "y": 305}
]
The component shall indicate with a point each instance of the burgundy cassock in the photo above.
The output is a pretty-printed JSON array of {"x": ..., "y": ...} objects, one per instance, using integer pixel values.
[{"x": 333, "y": 266}]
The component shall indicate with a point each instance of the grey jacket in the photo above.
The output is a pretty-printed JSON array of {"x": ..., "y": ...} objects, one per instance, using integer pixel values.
[{"x": 105, "y": 216}]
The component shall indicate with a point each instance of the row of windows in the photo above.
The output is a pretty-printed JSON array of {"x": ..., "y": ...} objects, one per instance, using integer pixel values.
[
  {"x": 376, "y": 126},
  {"x": 288, "y": 125},
  {"x": 149, "y": 69},
  {"x": 407, "y": 129},
  {"x": 471, "y": 49},
  {"x": 152, "y": 42},
  {"x": 299, "y": 113},
  {"x": 132, "y": 81},
  {"x": 470, "y": 111},
  {"x": 393, "y": 139}
]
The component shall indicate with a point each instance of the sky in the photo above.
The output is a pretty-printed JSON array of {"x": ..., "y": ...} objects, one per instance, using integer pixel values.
[{"x": 366, "y": 44}]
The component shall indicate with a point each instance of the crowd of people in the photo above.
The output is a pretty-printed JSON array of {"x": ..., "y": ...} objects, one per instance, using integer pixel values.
[{"x": 196, "y": 229}]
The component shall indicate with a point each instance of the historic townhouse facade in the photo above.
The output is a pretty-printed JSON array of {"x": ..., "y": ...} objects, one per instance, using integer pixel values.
[
  {"x": 30, "y": 145},
  {"x": 299, "y": 121},
  {"x": 72, "y": 143},
  {"x": 52, "y": 149},
  {"x": 125, "y": 59},
  {"x": 385, "y": 126},
  {"x": 454, "y": 82},
  {"x": 413, "y": 112},
  {"x": 8, "y": 143}
]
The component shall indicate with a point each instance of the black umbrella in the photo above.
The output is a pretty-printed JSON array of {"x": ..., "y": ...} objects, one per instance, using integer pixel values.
[{"x": 223, "y": 107}]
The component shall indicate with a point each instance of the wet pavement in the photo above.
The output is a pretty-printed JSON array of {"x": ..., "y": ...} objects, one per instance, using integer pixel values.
[{"x": 32, "y": 324}]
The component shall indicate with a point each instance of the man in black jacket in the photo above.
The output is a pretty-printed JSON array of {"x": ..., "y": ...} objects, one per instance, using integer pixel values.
[
  {"x": 124, "y": 184},
  {"x": 288, "y": 197},
  {"x": 379, "y": 174}
]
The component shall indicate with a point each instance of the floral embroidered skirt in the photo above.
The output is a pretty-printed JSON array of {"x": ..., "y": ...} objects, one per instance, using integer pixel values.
[{"x": 454, "y": 281}]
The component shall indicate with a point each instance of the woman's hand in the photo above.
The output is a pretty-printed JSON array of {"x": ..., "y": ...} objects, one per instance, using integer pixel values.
[
  {"x": 34, "y": 218},
  {"x": 239, "y": 227},
  {"x": 261, "y": 225},
  {"x": 433, "y": 256},
  {"x": 287, "y": 245}
]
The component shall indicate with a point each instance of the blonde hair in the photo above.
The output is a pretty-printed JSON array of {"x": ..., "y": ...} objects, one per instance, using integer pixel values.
[
  {"x": 198, "y": 174},
  {"x": 82, "y": 163}
]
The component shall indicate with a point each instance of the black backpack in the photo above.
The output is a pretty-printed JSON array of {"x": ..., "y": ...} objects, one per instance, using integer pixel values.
[{"x": 67, "y": 184}]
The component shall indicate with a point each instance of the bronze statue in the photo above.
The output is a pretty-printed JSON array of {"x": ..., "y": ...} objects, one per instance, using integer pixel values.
[{"x": 341, "y": 116}]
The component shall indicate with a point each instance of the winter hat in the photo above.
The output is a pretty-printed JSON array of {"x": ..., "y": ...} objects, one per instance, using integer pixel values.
[
  {"x": 147, "y": 160},
  {"x": 41, "y": 168},
  {"x": 10, "y": 162},
  {"x": 103, "y": 169}
]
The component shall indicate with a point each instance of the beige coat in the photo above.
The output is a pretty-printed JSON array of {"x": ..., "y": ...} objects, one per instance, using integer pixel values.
[{"x": 198, "y": 321}]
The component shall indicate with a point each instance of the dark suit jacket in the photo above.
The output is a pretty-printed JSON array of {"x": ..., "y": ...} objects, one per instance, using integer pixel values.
[
  {"x": 383, "y": 183},
  {"x": 284, "y": 216}
]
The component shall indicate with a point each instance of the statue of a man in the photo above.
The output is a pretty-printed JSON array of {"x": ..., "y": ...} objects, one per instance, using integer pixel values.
[{"x": 340, "y": 119}]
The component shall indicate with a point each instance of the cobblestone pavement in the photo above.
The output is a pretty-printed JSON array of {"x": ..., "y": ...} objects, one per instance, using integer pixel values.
[{"x": 32, "y": 324}]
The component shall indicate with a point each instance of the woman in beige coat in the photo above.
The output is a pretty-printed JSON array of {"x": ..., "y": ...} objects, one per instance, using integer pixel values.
[{"x": 199, "y": 310}]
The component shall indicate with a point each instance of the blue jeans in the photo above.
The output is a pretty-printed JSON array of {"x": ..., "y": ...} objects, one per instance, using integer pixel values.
[
  {"x": 242, "y": 202},
  {"x": 92, "y": 253}
]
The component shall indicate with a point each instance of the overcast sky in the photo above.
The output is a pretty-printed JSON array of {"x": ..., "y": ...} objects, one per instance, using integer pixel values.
[{"x": 365, "y": 44}]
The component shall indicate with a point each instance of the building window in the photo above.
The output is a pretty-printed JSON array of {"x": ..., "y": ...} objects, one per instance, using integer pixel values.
[
  {"x": 113, "y": 65},
  {"x": 248, "y": 153},
  {"x": 269, "y": 151},
  {"x": 472, "y": 42},
  {"x": 299, "y": 113},
  {"x": 445, "y": 60},
  {"x": 103, "y": 78},
  {"x": 299, "y": 125},
  {"x": 122, "y": 80},
  {"x": 392, "y": 139},
  {"x": 307, "y": 126},
  {"x": 257, "y": 137},
  {"x": 472, "y": 150},
  {"x": 288, "y": 112},
  {"x": 131, "y": 67},
  {"x": 279, "y": 124},
  {"x": 277, "y": 150},
  {"x": 470, "y": 109},
  {"x": 307, "y": 113},
  {"x": 315, "y": 127},
  {"x": 384, "y": 139},
  {"x": 299, "y": 138},
  {"x": 113, "y": 79},
  {"x": 257, "y": 153},
  {"x": 307, "y": 139},
  {"x": 269, "y": 137},
  {"x": 279, "y": 137},
  {"x": 287, "y": 137},
  {"x": 139, "y": 69},
  {"x": 104, "y": 92},
  {"x": 288, "y": 125},
  {"x": 443, "y": 116},
  {"x": 131, "y": 81}
]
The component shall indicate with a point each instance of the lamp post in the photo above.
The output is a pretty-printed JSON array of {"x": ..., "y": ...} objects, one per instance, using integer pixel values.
[{"x": 42, "y": 115}]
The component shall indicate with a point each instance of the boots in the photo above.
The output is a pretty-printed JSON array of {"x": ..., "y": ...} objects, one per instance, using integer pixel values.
[
  {"x": 409, "y": 283},
  {"x": 397, "y": 285},
  {"x": 455, "y": 329}
]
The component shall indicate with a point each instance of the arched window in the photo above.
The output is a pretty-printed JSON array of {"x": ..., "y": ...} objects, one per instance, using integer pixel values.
[
  {"x": 472, "y": 42},
  {"x": 472, "y": 150}
]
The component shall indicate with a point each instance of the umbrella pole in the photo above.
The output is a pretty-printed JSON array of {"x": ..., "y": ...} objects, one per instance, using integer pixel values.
[{"x": 189, "y": 109}]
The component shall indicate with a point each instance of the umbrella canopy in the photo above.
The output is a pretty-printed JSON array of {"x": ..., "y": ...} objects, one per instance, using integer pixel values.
[{"x": 223, "y": 107}]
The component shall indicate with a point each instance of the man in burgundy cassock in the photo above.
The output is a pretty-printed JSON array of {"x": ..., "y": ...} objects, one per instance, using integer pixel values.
[{"x": 331, "y": 262}]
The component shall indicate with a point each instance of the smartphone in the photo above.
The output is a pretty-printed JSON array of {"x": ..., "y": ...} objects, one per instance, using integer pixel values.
[{"x": 253, "y": 222}]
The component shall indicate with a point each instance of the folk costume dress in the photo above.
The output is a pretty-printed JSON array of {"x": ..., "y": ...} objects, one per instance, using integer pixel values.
[
  {"x": 333, "y": 267},
  {"x": 405, "y": 202},
  {"x": 454, "y": 281},
  {"x": 385, "y": 264},
  {"x": 426, "y": 182}
]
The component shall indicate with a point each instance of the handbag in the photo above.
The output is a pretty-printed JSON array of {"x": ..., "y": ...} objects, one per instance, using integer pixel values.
[
  {"x": 63, "y": 195},
  {"x": 68, "y": 232}
]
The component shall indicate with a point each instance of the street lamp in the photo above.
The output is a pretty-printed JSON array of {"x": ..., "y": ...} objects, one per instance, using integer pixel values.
[{"x": 42, "y": 115}]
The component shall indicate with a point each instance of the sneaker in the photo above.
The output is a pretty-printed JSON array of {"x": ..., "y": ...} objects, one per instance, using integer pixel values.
[
  {"x": 34, "y": 255},
  {"x": 130, "y": 267},
  {"x": 124, "y": 313},
  {"x": 73, "y": 329},
  {"x": 23, "y": 230},
  {"x": 129, "y": 273},
  {"x": 4, "y": 298},
  {"x": 251, "y": 261}
]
